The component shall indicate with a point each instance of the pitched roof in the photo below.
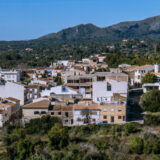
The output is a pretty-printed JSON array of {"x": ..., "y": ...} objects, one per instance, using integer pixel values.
[
  {"x": 132, "y": 68},
  {"x": 90, "y": 107},
  {"x": 142, "y": 67},
  {"x": 62, "y": 108},
  {"x": 157, "y": 74},
  {"x": 13, "y": 99},
  {"x": 10, "y": 104},
  {"x": 44, "y": 104}
]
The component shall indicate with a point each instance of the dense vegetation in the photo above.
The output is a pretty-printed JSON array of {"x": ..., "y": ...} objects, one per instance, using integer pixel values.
[
  {"x": 142, "y": 53},
  {"x": 150, "y": 101},
  {"x": 91, "y": 142}
]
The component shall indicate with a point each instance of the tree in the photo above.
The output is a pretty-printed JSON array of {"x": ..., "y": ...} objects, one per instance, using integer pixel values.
[
  {"x": 86, "y": 113},
  {"x": 24, "y": 149},
  {"x": 58, "y": 80},
  {"x": 150, "y": 101},
  {"x": 131, "y": 128},
  {"x": 41, "y": 125},
  {"x": 149, "y": 78},
  {"x": 58, "y": 137},
  {"x": 137, "y": 145}
]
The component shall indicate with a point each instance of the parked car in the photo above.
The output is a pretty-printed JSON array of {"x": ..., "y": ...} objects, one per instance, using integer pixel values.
[{"x": 103, "y": 123}]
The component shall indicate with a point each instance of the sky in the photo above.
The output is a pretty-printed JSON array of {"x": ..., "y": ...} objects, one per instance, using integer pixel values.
[{"x": 29, "y": 19}]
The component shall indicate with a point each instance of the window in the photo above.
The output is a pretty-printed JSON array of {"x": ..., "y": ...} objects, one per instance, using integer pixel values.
[
  {"x": 104, "y": 117},
  {"x": 71, "y": 121},
  {"x": 97, "y": 99},
  {"x": 79, "y": 119},
  {"x": 36, "y": 112},
  {"x": 43, "y": 112},
  {"x": 112, "y": 109},
  {"x": 131, "y": 101},
  {"x": 112, "y": 119},
  {"x": 100, "y": 78},
  {"x": 105, "y": 110},
  {"x": 94, "y": 120},
  {"x": 59, "y": 113},
  {"x": 85, "y": 121},
  {"x": 93, "y": 113},
  {"x": 139, "y": 77},
  {"x": 123, "y": 118},
  {"x": 119, "y": 109},
  {"x": 119, "y": 117},
  {"x": 66, "y": 114},
  {"x": 52, "y": 113},
  {"x": 109, "y": 88}
]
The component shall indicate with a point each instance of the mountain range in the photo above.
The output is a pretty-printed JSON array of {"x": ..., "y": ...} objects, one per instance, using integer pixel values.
[{"x": 145, "y": 29}]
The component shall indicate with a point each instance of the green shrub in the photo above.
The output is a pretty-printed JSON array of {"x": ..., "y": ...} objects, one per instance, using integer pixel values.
[
  {"x": 150, "y": 119},
  {"x": 149, "y": 78},
  {"x": 137, "y": 145},
  {"x": 150, "y": 101},
  {"x": 96, "y": 156},
  {"x": 58, "y": 137},
  {"x": 131, "y": 128},
  {"x": 58, "y": 156},
  {"x": 15, "y": 136},
  {"x": 153, "y": 157},
  {"x": 24, "y": 149},
  {"x": 41, "y": 125}
]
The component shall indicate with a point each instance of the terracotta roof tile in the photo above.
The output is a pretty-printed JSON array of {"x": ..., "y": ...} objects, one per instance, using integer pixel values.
[
  {"x": 62, "y": 108},
  {"x": 92, "y": 107},
  {"x": 44, "y": 104},
  {"x": 13, "y": 99}
]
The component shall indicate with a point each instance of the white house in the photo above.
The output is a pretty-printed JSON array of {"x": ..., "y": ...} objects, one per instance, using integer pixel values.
[
  {"x": 35, "y": 110},
  {"x": 32, "y": 91},
  {"x": 39, "y": 81},
  {"x": 63, "y": 62},
  {"x": 11, "y": 89},
  {"x": 11, "y": 75},
  {"x": 105, "y": 85},
  {"x": 150, "y": 86},
  {"x": 141, "y": 72},
  {"x": 59, "y": 90},
  {"x": 83, "y": 113}
]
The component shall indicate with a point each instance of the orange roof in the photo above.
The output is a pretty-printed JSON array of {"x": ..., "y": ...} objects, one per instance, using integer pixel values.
[
  {"x": 9, "y": 73},
  {"x": 131, "y": 68},
  {"x": 10, "y": 104},
  {"x": 44, "y": 104},
  {"x": 91, "y": 107},
  {"x": 13, "y": 99},
  {"x": 33, "y": 86},
  {"x": 141, "y": 67},
  {"x": 1, "y": 111},
  {"x": 62, "y": 108},
  {"x": 157, "y": 74}
]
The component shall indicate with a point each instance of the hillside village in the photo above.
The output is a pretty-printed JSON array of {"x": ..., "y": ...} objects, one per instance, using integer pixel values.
[{"x": 78, "y": 92}]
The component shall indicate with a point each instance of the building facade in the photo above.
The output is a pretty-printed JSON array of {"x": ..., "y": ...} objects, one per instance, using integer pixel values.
[
  {"x": 11, "y": 89},
  {"x": 10, "y": 75},
  {"x": 106, "y": 85}
]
